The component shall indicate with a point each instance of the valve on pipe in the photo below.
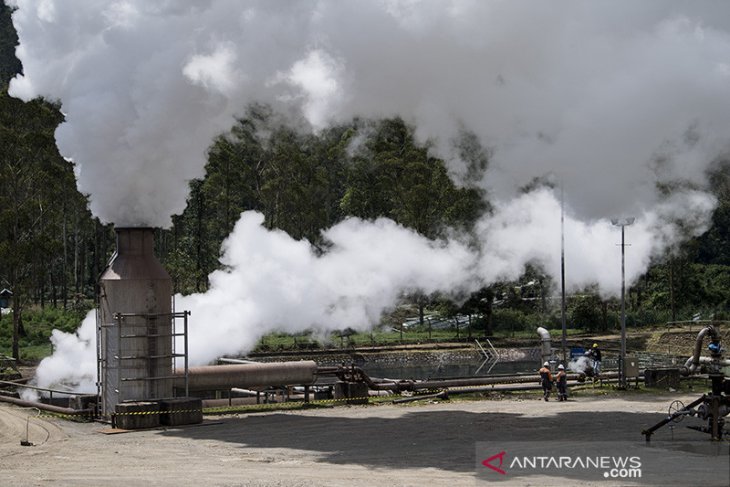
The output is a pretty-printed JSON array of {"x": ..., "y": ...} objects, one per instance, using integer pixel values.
[{"x": 712, "y": 407}]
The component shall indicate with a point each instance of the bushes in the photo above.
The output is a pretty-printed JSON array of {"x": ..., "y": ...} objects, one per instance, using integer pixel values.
[
  {"x": 6, "y": 333},
  {"x": 38, "y": 324},
  {"x": 586, "y": 313},
  {"x": 511, "y": 320}
]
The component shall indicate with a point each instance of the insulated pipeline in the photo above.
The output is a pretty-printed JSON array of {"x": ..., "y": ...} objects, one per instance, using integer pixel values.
[
  {"x": 46, "y": 407},
  {"x": 219, "y": 377},
  {"x": 693, "y": 362},
  {"x": 547, "y": 350},
  {"x": 479, "y": 381}
]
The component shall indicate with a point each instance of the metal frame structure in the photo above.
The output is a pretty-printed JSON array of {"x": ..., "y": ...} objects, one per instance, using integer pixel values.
[{"x": 145, "y": 328}]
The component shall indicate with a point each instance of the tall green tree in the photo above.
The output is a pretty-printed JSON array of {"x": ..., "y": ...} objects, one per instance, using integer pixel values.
[
  {"x": 393, "y": 176},
  {"x": 9, "y": 64},
  {"x": 33, "y": 178}
]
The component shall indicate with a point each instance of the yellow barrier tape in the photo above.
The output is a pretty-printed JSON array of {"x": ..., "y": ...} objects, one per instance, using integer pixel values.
[
  {"x": 246, "y": 407},
  {"x": 282, "y": 405},
  {"x": 70, "y": 417},
  {"x": 143, "y": 413}
]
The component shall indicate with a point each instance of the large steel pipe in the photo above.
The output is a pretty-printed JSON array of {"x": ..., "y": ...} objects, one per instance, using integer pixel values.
[
  {"x": 223, "y": 377},
  {"x": 547, "y": 349},
  {"x": 477, "y": 381},
  {"x": 693, "y": 363},
  {"x": 505, "y": 387},
  {"x": 46, "y": 407}
]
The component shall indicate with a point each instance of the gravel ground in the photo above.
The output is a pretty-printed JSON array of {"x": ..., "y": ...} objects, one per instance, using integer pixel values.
[{"x": 381, "y": 445}]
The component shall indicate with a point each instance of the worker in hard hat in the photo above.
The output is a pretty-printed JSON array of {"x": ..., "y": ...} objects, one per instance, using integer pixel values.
[
  {"x": 595, "y": 355},
  {"x": 562, "y": 382},
  {"x": 546, "y": 380}
]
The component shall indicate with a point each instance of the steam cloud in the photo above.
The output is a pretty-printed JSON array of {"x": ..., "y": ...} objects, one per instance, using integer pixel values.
[
  {"x": 73, "y": 363},
  {"x": 272, "y": 282},
  {"x": 610, "y": 99},
  {"x": 580, "y": 365}
]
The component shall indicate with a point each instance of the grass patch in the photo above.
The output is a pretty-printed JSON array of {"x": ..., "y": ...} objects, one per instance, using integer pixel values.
[
  {"x": 38, "y": 325},
  {"x": 36, "y": 353}
]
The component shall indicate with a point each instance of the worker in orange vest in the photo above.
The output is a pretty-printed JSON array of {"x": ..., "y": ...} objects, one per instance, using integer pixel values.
[
  {"x": 561, "y": 381},
  {"x": 546, "y": 380}
]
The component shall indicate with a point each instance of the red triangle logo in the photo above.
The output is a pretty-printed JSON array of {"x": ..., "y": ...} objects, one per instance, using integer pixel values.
[{"x": 488, "y": 463}]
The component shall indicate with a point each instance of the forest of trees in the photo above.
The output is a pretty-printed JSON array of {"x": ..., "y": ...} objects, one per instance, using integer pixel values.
[{"x": 52, "y": 249}]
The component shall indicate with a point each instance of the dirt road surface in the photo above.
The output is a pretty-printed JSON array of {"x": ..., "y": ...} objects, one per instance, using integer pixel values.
[{"x": 430, "y": 444}]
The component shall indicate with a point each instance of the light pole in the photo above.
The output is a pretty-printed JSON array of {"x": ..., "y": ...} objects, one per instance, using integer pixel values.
[
  {"x": 564, "y": 341},
  {"x": 622, "y": 358}
]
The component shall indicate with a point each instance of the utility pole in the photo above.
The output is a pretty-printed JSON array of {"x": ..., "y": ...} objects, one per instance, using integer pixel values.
[
  {"x": 562, "y": 275},
  {"x": 622, "y": 358}
]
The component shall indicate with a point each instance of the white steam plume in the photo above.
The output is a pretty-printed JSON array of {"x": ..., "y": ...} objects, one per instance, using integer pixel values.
[
  {"x": 73, "y": 363},
  {"x": 273, "y": 282},
  {"x": 526, "y": 229},
  {"x": 609, "y": 98},
  {"x": 580, "y": 365}
]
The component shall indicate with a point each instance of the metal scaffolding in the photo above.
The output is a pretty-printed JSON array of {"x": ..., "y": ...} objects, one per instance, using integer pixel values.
[{"x": 146, "y": 357}]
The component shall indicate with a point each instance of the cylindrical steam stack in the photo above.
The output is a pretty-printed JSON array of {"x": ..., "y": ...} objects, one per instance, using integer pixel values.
[{"x": 136, "y": 324}]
